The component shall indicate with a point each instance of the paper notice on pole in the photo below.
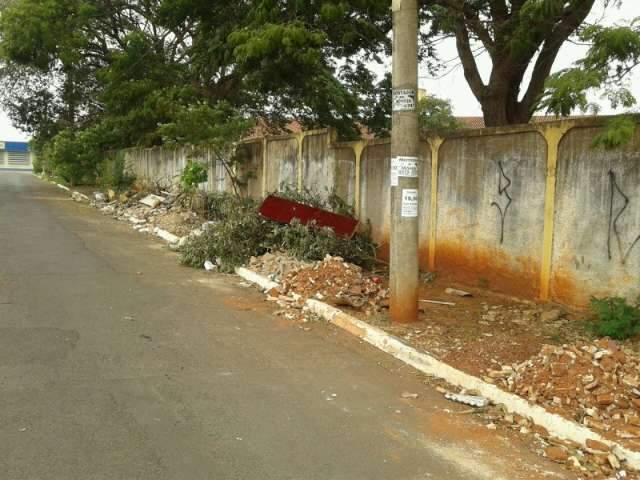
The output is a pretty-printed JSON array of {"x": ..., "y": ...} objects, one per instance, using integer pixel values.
[
  {"x": 404, "y": 100},
  {"x": 403, "y": 167},
  {"x": 409, "y": 203}
]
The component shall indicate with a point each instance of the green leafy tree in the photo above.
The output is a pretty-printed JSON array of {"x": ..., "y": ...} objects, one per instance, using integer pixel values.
[
  {"x": 436, "y": 118},
  {"x": 126, "y": 67},
  {"x": 218, "y": 128},
  {"x": 523, "y": 36}
]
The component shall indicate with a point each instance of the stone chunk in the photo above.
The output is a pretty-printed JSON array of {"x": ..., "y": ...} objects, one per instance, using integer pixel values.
[
  {"x": 597, "y": 446},
  {"x": 152, "y": 200},
  {"x": 557, "y": 454}
]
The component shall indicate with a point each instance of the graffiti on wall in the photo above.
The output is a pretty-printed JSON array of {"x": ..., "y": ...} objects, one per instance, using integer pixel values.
[
  {"x": 620, "y": 199},
  {"x": 504, "y": 183}
]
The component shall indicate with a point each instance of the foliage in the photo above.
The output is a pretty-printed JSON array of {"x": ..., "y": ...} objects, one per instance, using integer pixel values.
[
  {"x": 307, "y": 242},
  {"x": 141, "y": 73},
  {"x": 74, "y": 156},
  {"x": 617, "y": 132},
  {"x": 238, "y": 232},
  {"x": 218, "y": 128},
  {"x": 615, "y": 317},
  {"x": 193, "y": 175},
  {"x": 614, "y": 53},
  {"x": 522, "y": 39},
  {"x": 231, "y": 240},
  {"x": 113, "y": 173},
  {"x": 436, "y": 118}
]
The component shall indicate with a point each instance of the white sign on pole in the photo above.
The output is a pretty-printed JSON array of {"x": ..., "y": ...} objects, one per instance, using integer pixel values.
[
  {"x": 409, "y": 203},
  {"x": 2, "y": 147},
  {"x": 403, "y": 167},
  {"x": 404, "y": 100}
]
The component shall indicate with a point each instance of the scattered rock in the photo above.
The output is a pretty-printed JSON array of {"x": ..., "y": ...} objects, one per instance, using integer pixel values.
[
  {"x": 594, "y": 382},
  {"x": 557, "y": 454},
  {"x": 551, "y": 316},
  {"x": 597, "y": 446},
  {"x": 458, "y": 293},
  {"x": 409, "y": 395},
  {"x": 472, "y": 400},
  {"x": 152, "y": 200}
]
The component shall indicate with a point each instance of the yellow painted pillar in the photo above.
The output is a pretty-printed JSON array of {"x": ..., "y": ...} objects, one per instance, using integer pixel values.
[
  {"x": 358, "y": 148},
  {"x": 553, "y": 135},
  {"x": 300, "y": 162},
  {"x": 265, "y": 170},
  {"x": 435, "y": 144}
]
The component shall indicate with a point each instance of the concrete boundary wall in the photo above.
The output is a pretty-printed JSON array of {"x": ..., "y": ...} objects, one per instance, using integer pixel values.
[{"x": 531, "y": 210}]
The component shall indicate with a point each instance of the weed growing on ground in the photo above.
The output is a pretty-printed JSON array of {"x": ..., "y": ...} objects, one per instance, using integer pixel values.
[
  {"x": 614, "y": 317},
  {"x": 193, "y": 175}
]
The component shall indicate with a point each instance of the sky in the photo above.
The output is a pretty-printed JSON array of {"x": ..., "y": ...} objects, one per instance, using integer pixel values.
[{"x": 454, "y": 87}]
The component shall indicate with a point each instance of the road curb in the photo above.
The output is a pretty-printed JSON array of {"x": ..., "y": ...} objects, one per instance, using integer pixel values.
[
  {"x": 556, "y": 425},
  {"x": 168, "y": 237}
]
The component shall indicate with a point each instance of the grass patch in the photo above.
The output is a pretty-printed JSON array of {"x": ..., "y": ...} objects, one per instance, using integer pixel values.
[{"x": 614, "y": 317}]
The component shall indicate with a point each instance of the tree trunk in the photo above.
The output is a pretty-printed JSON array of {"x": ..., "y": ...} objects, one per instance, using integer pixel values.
[{"x": 500, "y": 105}]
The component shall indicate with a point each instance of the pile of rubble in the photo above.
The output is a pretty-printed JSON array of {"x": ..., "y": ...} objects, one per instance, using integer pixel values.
[
  {"x": 276, "y": 266},
  {"x": 595, "y": 460},
  {"x": 596, "y": 384},
  {"x": 333, "y": 281},
  {"x": 150, "y": 213}
]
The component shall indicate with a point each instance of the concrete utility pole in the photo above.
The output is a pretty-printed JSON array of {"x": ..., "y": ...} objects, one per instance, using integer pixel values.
[{"x": 404, "y": 164}]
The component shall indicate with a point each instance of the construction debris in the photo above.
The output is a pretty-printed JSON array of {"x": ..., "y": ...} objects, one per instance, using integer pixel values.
[
  {"x": 167, "y": 219},
  {"x": 276, "y": 266},
  {"x": 152, "y": 201},
  {"x": 438, "y": 302},
  {"x": 458, "y": 293},
  {"x": 331, "y": 280},
  {"x": 409, "y": 395},
  {"x": 472, "y": 400},
  {"x": 338, "y": 283},
  {"x": 283, "y": 210},
  {"x": 79, "y": 197},
  {"x": 597, "y": 384}
]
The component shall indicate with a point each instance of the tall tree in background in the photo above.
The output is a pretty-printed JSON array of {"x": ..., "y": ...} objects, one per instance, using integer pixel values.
[
  {"x": 134, "y": 62},
  {"x": 520, "y": 37}
]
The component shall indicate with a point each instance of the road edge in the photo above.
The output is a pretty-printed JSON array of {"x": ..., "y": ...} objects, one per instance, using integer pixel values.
[{"x": 555, "y": 424}]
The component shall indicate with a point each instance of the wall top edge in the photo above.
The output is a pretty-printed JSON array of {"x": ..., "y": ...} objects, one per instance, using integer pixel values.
[{"x": 566, "y": 124}]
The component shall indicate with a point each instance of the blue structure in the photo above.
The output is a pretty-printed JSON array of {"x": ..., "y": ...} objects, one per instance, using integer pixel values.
[
  {"x": 15, "y": 155},
  {"x": 15, "y": 146}
]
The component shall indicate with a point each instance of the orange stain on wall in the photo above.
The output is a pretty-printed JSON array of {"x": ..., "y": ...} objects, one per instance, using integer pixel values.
[{"x": 492, "y": 269}]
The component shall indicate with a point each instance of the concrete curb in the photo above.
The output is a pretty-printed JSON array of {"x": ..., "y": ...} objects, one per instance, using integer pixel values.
[
  {"x": 264, "y": 283},
  {"x": 555, "y": 424},
  {"x": 166, "y": 236}
]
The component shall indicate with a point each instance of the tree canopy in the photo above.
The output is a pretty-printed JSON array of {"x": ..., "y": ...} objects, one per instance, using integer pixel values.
[
  {"x": 523, "y": 37},
  {"x": 122, "y": 69}
]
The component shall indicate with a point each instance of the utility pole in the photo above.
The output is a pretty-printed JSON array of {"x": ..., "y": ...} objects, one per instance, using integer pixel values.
[{"x": 405, "y": 140}]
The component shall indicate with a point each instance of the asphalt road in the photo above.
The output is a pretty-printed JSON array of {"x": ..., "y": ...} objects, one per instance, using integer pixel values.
[{"x": 118, "y": 363}]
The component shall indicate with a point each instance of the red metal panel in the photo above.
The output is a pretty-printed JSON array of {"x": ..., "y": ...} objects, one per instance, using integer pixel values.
[{"x": 284, "y": 211}]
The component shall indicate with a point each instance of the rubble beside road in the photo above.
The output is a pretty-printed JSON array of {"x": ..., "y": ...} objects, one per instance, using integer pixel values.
[
  {"x": 276, "y": 266},
  {"x": 476, "y": 330},
  {"x": 594, "y": 383},
  {"x": 331, "y": 280},
  {"x": 148, "y": 213}
]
